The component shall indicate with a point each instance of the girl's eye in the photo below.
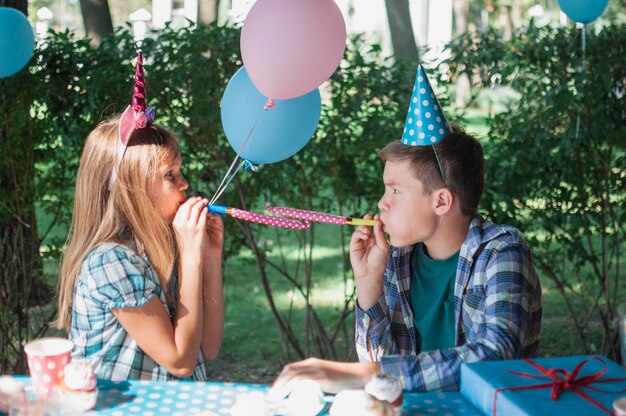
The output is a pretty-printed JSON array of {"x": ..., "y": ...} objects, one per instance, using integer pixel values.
[{"x": 169, "y": 175}]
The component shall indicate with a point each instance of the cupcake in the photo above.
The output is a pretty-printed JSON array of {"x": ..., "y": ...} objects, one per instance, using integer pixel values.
[
  {"x": 358, "y": 402},
  {"x": 250, "y": 404},
  {"x": 306, "y": 398},
  {"x": 10, "y": 389},
  {"x": 78, "y": 388},
  {"x": 387, "y": 388}
]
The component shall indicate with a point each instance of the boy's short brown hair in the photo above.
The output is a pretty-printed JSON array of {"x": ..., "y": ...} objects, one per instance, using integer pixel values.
[{"x": 462, "y": 160}]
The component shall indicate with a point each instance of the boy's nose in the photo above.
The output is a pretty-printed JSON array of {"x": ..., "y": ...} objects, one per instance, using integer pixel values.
[{"x": 381, "y": 204}]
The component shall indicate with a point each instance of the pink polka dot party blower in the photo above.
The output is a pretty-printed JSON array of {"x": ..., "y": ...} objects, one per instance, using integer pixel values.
[{"x": 297, "y": 219}]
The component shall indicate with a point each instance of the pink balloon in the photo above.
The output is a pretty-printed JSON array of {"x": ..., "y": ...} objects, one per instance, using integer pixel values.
[{"x": 290, "y": 47}]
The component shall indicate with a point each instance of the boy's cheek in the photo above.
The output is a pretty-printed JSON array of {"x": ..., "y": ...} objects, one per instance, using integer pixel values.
[{"x": 391, "y": 235}]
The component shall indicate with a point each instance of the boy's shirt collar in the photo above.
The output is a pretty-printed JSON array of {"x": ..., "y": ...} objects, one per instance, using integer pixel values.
[{"x": 480, "y": 231}]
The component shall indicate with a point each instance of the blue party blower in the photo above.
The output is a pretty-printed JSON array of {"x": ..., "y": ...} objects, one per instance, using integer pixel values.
[{"x": 218, "y": 209}]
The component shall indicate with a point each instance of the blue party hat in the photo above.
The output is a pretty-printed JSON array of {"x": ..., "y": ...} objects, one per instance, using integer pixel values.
[{"x": 425, "y": 123}]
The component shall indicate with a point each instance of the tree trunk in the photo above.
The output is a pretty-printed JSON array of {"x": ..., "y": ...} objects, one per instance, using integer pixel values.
[
  {"x": 421, "y": 29},
  {"x": 516, "y": 14},
  {"x": 484, "y": 17},
  {"x": 21, "y": 5},
  {"x": 461, "y": 12},
  {"x": 402, "y": 38},
  {"x": 507, "y": 24},
  {"x": 20, "y": 263},
  {"x": 97, "y": 19},
  {"x": 207, "y": 11},
  {"x": 19, "y": 257}
]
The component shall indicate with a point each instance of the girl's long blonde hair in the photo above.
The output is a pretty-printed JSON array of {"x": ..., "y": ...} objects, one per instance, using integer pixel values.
[{"x": 122, "y": 213}]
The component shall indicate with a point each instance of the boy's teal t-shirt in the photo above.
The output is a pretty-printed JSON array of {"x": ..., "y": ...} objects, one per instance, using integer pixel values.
[{"x": 432, "y": 299}]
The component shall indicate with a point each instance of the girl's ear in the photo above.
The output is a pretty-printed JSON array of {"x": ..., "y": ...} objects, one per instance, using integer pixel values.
[{"x": 442, "y": 201}]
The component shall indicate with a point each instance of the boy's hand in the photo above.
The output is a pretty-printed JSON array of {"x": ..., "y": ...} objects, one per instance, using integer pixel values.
[
  {"x": 368, "y": 255},
  {"x": 332, "y": 376}
]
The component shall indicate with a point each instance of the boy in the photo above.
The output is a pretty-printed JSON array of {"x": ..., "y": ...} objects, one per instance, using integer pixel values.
[{"x": 449, "y": 287}]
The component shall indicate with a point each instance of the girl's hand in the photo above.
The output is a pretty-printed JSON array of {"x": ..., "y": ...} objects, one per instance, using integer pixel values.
[
  {"x": 190, "y": 224},
  {"x": 215, "y": 235}
]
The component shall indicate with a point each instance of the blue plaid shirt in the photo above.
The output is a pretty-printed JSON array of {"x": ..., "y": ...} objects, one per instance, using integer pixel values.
[
  {"x": 113, "y": 276},
  {"x": 497, "y": 303}
]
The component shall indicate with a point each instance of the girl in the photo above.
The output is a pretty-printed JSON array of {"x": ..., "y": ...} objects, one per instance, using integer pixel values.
[{"x": 140, "y": 286}]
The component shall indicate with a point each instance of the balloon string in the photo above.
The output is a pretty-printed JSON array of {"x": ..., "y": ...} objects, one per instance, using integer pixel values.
[
  {"x": 223, "y": 185},
  {"x": 226, "y": 180},
  {"x": 584, "y": 40},
  {"x": 220, "y": 191},
  {"x": 584, "y": 49}
]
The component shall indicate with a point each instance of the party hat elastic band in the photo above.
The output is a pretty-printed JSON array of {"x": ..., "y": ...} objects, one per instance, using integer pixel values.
[{"x": 443, "y": 175}]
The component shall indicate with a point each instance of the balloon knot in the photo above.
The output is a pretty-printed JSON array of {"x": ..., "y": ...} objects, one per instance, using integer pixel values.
[
  {"x": 269, "y": 104},
  {"x": 249, "y": 165}
]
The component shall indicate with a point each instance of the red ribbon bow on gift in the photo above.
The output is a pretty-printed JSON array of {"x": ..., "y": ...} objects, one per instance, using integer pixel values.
[{"x": 563, "y": 381}]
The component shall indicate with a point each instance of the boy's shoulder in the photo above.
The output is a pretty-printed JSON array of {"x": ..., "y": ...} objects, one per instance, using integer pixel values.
[{"x": 485, "y": 233}]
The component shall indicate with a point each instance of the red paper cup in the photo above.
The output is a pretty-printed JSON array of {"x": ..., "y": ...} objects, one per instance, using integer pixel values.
[{"x": 47, "y": 357}]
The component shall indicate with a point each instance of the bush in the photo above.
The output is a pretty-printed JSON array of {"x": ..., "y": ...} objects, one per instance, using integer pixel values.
[{"x": 556, "y": 160}]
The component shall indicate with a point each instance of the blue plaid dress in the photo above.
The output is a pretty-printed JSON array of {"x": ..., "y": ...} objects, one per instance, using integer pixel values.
[
  {"x": 113, "y": 276},
  {"x": 497, "y": 303}
]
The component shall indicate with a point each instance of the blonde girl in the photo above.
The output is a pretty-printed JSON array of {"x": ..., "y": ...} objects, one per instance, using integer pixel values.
[{"x": 140, "y": 287}]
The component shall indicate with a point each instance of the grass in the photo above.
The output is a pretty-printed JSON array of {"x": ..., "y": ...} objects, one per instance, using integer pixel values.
[{"x": 251, "y": 348}]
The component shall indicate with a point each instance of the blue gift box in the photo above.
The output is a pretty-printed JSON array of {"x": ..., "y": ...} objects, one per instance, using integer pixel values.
[{"x": 479, "y": 382}]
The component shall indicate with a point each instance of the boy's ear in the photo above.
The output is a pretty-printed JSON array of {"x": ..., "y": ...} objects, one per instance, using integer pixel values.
[{"x": 442, "y": 200}]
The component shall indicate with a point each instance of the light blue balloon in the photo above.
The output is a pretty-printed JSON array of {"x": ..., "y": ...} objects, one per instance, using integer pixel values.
[
  {"x": 17, "y": 41},
  {"x": 280, "y": 132},
  {"x": 583, "y": 11}
]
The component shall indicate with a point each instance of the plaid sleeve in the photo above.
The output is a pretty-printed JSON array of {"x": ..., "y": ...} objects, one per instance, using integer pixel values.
[
  {"x": 372, "y": 331},
  {"x": 119, "y": 279},
  {"x": 501, "y": 301}
]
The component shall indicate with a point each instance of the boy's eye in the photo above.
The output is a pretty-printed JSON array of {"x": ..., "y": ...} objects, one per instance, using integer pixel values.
[{"x": 395, "y": 191}]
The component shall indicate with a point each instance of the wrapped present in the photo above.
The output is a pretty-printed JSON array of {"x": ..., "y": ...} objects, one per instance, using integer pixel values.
[{"x": 581, "y": 385}]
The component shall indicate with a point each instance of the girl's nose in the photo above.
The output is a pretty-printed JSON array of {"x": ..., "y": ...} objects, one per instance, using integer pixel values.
[{"x": 183, "y": 184}]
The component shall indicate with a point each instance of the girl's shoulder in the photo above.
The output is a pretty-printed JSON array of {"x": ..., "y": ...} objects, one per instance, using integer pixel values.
[
  {"x": 116, "y": 276},
  {"x": 111, "y": 256},
  {"x": 112, "y": 251}
]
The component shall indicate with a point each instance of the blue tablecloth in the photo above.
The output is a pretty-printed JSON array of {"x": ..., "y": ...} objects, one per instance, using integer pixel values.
[{"x": 147, "y": 398}]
